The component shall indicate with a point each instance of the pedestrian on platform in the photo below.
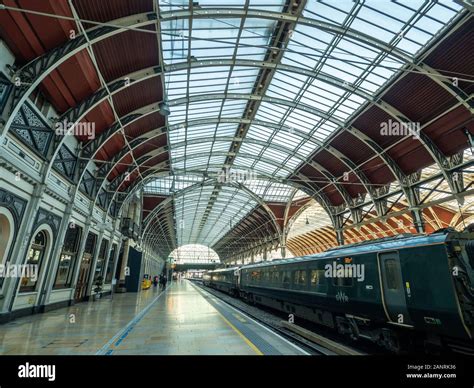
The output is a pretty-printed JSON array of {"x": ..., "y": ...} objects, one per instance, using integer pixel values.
[
  {"x": 161, "y": 281},
  {"x": 165, "y": 280}
]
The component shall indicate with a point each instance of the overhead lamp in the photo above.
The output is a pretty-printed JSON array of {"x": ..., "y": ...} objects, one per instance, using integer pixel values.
[
  {"x": 307, "y": 221},
  {"x": 164, "y": 108},
  {"x": 470, "y": 138}
]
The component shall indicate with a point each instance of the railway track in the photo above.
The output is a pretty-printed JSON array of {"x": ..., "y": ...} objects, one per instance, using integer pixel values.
[{"x": 312, "y": 343}]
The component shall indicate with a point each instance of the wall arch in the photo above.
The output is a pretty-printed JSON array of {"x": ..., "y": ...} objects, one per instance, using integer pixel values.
[
  {"x": 41, "y": 274},
  {"x": 7, "y": 231}
]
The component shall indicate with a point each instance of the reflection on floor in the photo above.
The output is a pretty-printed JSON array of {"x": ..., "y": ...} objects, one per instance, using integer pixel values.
[{"x": 182, "y": 320}]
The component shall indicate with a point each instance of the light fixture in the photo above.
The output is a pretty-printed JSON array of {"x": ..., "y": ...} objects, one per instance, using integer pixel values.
[
  {"x": 307, "y": 221},
  {"x": 164, "y": 108}
]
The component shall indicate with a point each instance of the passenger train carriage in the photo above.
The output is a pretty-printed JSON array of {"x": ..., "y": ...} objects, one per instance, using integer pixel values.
[{"x": 392, "y": 291}]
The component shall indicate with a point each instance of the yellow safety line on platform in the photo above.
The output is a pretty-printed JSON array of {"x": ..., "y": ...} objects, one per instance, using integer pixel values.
[{"x": 247, "y": 341}]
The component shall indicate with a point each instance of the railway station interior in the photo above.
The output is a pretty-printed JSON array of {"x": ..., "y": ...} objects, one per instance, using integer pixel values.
[{"x": 236, "y": 177}]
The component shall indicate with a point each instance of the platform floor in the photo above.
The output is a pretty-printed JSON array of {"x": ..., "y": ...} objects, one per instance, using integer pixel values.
[{"x": 183, "y": 320}]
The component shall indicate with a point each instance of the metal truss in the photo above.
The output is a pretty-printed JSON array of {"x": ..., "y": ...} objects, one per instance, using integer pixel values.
[
  {"x": 53, "y": 59},
  {"x": 150, "y": 175},
  {"x": 32, "y": 74},
  {"x": 416, "y": 184},
  {"x": 149, "y": 221},
  {"x": 44, "y": 65},
  {"x": 130, "y": 118}
]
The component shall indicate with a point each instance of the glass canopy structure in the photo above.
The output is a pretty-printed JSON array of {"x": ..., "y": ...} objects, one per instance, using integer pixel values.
[
  {"x": 194, "y": 254},
  {"x": 146, "y": 137},
  {"x": 249, "y": 98},
  {"x": 192, "y": 194}
]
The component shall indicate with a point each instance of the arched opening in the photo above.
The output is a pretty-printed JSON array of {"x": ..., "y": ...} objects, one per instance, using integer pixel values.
[
  {"x": 111, "y": 264},
  {"x": 311, "y": 231},
  {"x": 195, "y": 254},
  {"x": 192, "y": 260},
  {"x": 85, "y": 266},
  {"x": 36, "y": 256},
  {"x": 68, "y": 257},
  {"x": 6, "y": 235}
]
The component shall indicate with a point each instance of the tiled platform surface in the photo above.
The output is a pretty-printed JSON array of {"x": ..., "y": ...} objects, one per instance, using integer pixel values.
[{"x": 183, "y": 320}]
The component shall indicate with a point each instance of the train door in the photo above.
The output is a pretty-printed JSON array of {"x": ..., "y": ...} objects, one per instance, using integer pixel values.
[
  {"x": 393, "y": 288},
  {"x": 237, "y": 278}
]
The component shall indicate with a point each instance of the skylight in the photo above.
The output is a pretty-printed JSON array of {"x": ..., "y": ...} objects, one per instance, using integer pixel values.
[{"x": 338, "y": 57}]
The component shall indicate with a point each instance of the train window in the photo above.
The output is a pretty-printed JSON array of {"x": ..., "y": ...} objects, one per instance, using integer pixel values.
[
  {"x": 317, "y": 277},
  {"x": 392, "y": 274},
  {"x": 276, "y": 277},
  {"x": 271, "y": 276},
  {"x": 343, "y": 281},
  {"x": 299, "y": 278},
  {"x": 286, "y": 278},
  {"x": 266, "y": 276},
  {"x": 256, "y": 276}
]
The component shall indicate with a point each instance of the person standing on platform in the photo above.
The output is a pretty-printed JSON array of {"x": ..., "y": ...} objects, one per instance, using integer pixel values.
[
  {"x": 161, "y": 281},
  {"x": 165, "y": 280}
]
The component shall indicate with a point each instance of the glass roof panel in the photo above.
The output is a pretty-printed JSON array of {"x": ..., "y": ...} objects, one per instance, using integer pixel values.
[
  {"x": 312, "y": 218},
  {"x": 229, "y": 207},
  {"x": 270, "y": 191},
  {"x": 332, "y": 76},
  {"x": 166, "y": 185}
]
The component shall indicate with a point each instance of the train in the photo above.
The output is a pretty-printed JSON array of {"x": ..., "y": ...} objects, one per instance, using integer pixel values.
[{"x": 398, "y": 292}]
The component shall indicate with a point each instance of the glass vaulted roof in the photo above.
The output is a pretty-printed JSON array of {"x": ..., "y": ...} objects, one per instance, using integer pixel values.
[
  {"x": 204, "y": 216},
  {"x": 213, "y": 54}
]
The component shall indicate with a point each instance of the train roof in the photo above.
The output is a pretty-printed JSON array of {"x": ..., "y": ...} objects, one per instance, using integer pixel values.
[
  {"x": 382, "y": 244},
  {"x": 223, "y": 270}
]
